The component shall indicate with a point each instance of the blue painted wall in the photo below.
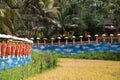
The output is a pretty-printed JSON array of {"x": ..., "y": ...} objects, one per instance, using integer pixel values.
[{"x": 80, "y": 48}]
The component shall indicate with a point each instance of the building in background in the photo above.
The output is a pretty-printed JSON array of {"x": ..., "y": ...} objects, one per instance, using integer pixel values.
[{"x": 109, "y": 27}]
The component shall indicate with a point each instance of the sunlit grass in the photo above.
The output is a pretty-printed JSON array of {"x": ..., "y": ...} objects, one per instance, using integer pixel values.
[{"x": 72, "y": 69}]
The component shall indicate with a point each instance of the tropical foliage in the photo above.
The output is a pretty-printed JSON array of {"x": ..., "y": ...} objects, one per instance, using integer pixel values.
[
  {"x": 7, "y": 16},
  {"x": 46, "y": 18}
]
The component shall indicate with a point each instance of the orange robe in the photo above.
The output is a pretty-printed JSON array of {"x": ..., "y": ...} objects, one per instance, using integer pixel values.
[
  {"x": 0, "y": 50},
  {"x": 8, "y": 50},
  {"x": 13, "y": 49},
  {"x": 20, "y": 50},
  {"x": 26, "y": 50},
  {"x": 30, "y": 48},
  {"x": 17, "y": 51},
  {"x": 23, "y": 50},
  {"x": 3, "y": 49}
]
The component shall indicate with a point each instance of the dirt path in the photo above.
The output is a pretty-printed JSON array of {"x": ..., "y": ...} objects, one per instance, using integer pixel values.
[{"x": 72, "y": 69}]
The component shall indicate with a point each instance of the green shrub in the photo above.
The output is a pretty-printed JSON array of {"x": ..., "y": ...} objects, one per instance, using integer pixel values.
[
  {"x": 51, "y": 59},
  {"x": 40, "y": 63},
  {"x": 99, "y": 56}
]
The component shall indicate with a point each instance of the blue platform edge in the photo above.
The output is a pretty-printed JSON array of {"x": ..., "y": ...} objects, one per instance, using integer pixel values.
[{"x": 9, "y": 63}]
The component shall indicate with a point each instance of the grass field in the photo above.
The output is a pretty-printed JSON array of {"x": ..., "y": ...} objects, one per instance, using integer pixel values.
[{"x": 74, "y": 69}]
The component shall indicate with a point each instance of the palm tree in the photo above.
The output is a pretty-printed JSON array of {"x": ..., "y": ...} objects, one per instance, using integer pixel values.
[
  {"x": 67, "y": 18},
  {"x": 40, "y": 13},
  {"x": 7, "y": 14}
]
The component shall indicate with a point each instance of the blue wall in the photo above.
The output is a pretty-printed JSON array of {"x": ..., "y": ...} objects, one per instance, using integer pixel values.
[
  {"x": 9, "y": 63},
  {"x": 78, "y": 48}
]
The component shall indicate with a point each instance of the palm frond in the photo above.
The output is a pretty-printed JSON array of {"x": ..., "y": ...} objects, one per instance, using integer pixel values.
[
  {"x": 10, "y": 3},
  {"x": 4, "y": 29}
]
